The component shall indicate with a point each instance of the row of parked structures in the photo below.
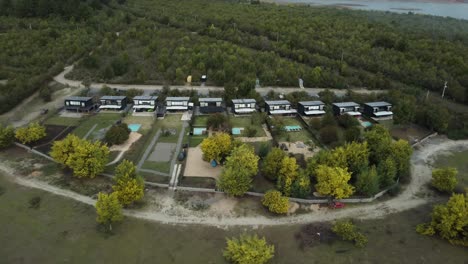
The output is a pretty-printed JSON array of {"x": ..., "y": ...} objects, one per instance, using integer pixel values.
[{"x": 374, "y": 110}]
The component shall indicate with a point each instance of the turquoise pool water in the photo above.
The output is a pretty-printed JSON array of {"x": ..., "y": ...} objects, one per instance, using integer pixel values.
[
  {"x": 292, "y": 128},
  {"x": 236, "y": 130},
  {"x": 198, "y": 130},
  {"x": 366, "y": 124},
  {"x": 134, "y": 127}
]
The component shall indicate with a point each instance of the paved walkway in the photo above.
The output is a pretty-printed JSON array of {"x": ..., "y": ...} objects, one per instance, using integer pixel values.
[
  {"x": 174, "y": 170},
  {"x": 148, "y": 150}
]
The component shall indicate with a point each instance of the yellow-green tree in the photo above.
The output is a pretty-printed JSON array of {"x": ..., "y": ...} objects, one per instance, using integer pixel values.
[
  {"x": 7, "y": 136},
  {"x": 216, "y": 147},
  {"x": 333, "y": 182},
  {"x": 33, "y": 132},
  {"x": 444, "y": 179},
  {"x": 287, "y": 175},
  {"x": 63, "y": 150},
  {"x": 401, "y": 153},
  {"x": 301, "y": 186},
  {"x": 241, "y": 166},
  {"x": 276, "y": 202},
  {"x": 248, "y": 250},
  {"x": 450, "y": 221},
  {"x": 272, "y": 163},
  {"x": 129, "y": 186},
  {"x": 89, "y": 159},
  {"x": 84, "y": 158},
  {"x": 348, "y": 231},
  {"x": 108, "y": 209}
]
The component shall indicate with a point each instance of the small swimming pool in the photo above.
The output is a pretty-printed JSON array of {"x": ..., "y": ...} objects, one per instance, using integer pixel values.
[
  {"x": 292, "y": 128},
  {"x": 237, "y": 130},
  {"x": 134, "y": 127},
  {"x": 366, "y": 124},
  {"x": 198, "y": 130}
]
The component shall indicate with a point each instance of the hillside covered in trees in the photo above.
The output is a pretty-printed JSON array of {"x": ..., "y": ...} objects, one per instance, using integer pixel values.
[{"x": 158, "y": 41}]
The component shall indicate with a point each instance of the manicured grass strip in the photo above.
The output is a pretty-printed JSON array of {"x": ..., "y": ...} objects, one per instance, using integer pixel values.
[
  {"x": 157, "y": 166},
  {"x": 63, "y": 121}
]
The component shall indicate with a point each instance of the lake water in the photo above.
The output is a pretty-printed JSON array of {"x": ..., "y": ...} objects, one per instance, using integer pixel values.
[{"x": 455, "y": 10}]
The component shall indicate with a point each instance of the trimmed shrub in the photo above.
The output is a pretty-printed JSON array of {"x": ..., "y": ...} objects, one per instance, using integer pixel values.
[{"x": 117, "y": 134}]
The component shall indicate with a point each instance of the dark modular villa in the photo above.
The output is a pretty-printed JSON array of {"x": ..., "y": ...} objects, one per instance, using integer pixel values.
[
  {"x": 349, "y": 108},
  {"x": 79, "y": 104},
  {"x": 378, "y": 110},
  {"x": 144, "y": 103},
  {"x": 211, "y": 105},
  {"x": 177, "y": 103},
  {"x": 113, "y": 102},
  {"x": 244, "y": 106},
  {"x": 311, "y": 108},
  {"x": 279, "y": 107}
]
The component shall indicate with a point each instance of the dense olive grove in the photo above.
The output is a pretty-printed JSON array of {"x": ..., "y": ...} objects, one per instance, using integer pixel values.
[{"x": 371, "y": 49}]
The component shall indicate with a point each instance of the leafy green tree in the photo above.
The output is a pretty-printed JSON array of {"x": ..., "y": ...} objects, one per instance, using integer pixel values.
[
  {"x": 368, "y": 182},
  {"x": 117, "y": 134},
  {"x": 301, "y": 186},
  {"x": 329, "y": 134},
  {"x": 218, "y": 122},
  {"x": 437, "y": 117},
  {"x": 401, "y": 152},
  {"x": 108, "y": 209},
  {"x": 348, "y": 231},
  {"x": 275, "y": 202},
  {"x": 387, "y": 172},
  {"x": 216, "y": 147},
  {"x": 7, "y": 136},
  {"x": 444, "y": 179},
  {"x": 129, "y": 186},
  {"x": 379, "y": 142},
  {"x": 352, "y": 134},
  {"x": 241, "y": 166},
  {"x": 272, "y": 163},
  {"x": 248, "y": 250},
  {"x": 287, "y": 174},
  {"x": 333, "y": 182},
  {"x": 328, "y": 120},
  {"x": 450, "y": 221},
  {"x": 32, "y": 133},
  {"x": 84, "y": 158}
]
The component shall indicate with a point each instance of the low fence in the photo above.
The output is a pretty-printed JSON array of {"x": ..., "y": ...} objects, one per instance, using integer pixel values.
[
  {"x": 416, "y": 144},
  {"x": 34, "y": 151}
]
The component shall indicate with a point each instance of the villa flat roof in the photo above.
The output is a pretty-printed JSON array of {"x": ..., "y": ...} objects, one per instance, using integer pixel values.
[
  {"x": 78, "y": 98},
  {"x": 217, "y": 99},
  {"x": 177, "y": 98},
  {"x": 346, "y": 104},
  {"x": 243, "y": 101},
  {"x": 278, "y": 102},
  {"x": 112, "y": 97},
  {"x": 378, "y": 104},
  {"x": 145, "y": 97},
  {"x": 311, "y": 103}
]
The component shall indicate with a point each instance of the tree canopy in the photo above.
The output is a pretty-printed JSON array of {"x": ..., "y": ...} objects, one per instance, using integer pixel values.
[
  {"x": 108, "y": 209},
  {"x": 248, "y": 250},
  {"x": 333, "y": 182},
  {"x": 275, "y": 202},
  {"x": 216, "y": 147},
  {"x": 129, "y": 186},
  {"x": 444, "y": 179},
  {"x": 450, "y": 220},
  {"x": 31, "y": 133},
  {"x": 83, "y": 157},
  {"x": 7, "y": 136}
]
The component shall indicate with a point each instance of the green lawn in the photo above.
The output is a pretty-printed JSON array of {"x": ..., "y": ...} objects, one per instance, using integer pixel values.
[
  {"x": 63, "y": 121},
  {"x": 157, "y": 166},
  {"x": 246, "y": 122},
  {"x": 102, "y": 120},
  {"x": 146, "y": 122},
  {"x": 196, "y": 140},
  {"x": 457, "y": 160},
  {"x": 200, "y": 121},
  {"x": 303, "y": 135}
]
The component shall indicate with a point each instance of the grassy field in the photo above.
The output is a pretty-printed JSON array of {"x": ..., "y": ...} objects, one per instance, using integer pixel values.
[
  {"x": 457, "y": 160},
  {"x": 303, "y": 135},
  {"x": 62, "y": 121},
  {"x": 102, "y": 120},
  {"x": 62, "y": 230},
  {"x": 196, "y": 140},
  {"x": 145, "y": 121},
  {"x": 157, "y": 166},
  {"x": 246, "y": 122},
  {"x": 200, "y": 121}
]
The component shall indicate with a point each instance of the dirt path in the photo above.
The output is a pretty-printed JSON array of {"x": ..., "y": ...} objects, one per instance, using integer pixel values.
[
  {"x": 60, "y": 78},
  {"x": 415, "y": 194}
]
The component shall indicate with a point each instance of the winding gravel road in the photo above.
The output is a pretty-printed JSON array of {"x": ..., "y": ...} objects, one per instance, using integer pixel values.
[{"x": 414, "y": 194}]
